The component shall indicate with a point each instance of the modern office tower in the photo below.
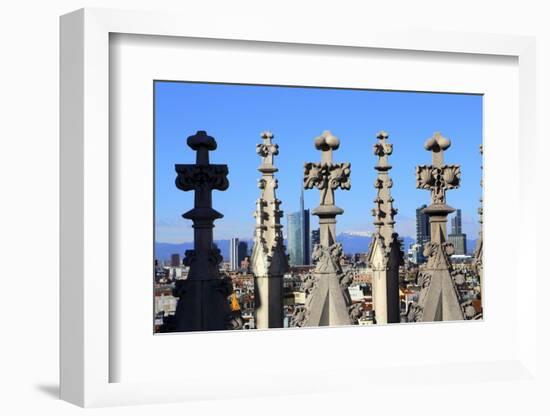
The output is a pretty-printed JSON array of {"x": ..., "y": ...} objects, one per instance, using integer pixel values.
[
  {"x": 459, "y": 243},
  {"x": 242, "y": 252},
  {"x": 298, "y": 236},
  {"x": 457, "y": 237},
  {"x": 294, "y": 238},
  {"x": 456, "y": 223},
  {"x": 413, "y": 253},
  {"x": 234, "y": 254},
  {"x": 315, "y": 237},
  {"x": 175, "y": 260},
  {"x": 306, "y": 242},
  {"x": 422, "y": 232},
  {"x": 306, "y": 237}
]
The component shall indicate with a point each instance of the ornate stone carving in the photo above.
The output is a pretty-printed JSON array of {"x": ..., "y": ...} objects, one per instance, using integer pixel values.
[
  {"x": 424, "y": 279},
  {"x": 415, "y": 312},
  {"x": 385, "y": 255},
  {"x": 326, "y": 175},
  {"x": 478, "y": 252},
  {"x": 470, "y": 312},
  {"x": 458, "y": 277},
  {"x": 269, "y": 261},
  {"x": 191, "y": 177},
  {"x": 202, "y": 297},
  {"x": 309, "y": 283},
  {"x": 327, "y": 259},
  {"x": 356, "y": 312},
  {"x": 438, "y": 298},
  {"x": 327, "y": 296},
  {"x": 267, "y": 149},
  {"x": 438, "y": 178},
  {"x": 346, "y": 279},
  {"x": 438, "y": 255},
  {"x": 300, "y": 316}
]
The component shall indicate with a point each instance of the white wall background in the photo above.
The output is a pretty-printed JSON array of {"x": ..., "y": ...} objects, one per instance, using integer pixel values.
[{"x": 29, "y": 57}]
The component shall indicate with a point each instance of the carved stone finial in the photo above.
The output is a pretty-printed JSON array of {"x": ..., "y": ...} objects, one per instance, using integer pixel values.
[
  {"x": 327, "y": 141},
  {"x": 327, "y": 298},
  {"x": 267, "y": 150},
  {"x": 202, "y": 297},
  {"x": 382, "y": 149},
  {"x": 478, "y": 252},
  {"x": 438, "y": 178},
  {"x": 326, "y": 175},
  {"x": 439, "y": 298},
  {"x": 385, "y": 255},
  {"x": 437, "y": 144},
  {"x": 202, "y": 143},
  {"x": 266, "y": 135},
  {"x": 268, "y": 261}
]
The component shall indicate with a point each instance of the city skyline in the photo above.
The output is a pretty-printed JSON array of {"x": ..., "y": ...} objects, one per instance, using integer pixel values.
[
  {"x": 238, "y": 113},
  {"x": 368, "y": 286}
]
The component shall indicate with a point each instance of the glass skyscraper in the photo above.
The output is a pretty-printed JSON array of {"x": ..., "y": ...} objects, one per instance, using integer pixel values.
[
  {"x": 457, "y": 238},
  {"x": 237, "y": 252},
  {"x": 234, "y": 254},
  {"x": 298, "y": 236},
  {"x": 456, "y": 222}
]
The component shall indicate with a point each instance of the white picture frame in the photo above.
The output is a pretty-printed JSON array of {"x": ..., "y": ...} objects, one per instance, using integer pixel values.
[{"x": 87, "y": 301}]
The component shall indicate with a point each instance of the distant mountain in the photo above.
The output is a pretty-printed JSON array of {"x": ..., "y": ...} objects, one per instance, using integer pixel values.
[
  {"x": 353, "y": 242},
  {"x": 163, "y": 251}
]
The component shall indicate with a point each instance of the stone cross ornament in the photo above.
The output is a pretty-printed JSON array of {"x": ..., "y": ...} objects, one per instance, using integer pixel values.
[
  {"x": 267, "y": 149},
  {"x": 437, "y": 177},
  {"x": 382, "y": 149},
  {"x": 202, "y": 178},
  {"x": 383, "y": 212},
  {"x": 202, "y": 297},
  {"x": 439, "y": 298},
  {"x": 327, "y": 175},
  {"x": 327, "y": 295}
]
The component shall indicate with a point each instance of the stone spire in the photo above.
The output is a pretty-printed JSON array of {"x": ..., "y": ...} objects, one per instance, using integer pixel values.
[
  {"x": 327, "y": 297},
  {"x": 202, "y": 297},
  {"x": 439, "y": 298},
  {"x": 269, "y": 262},
  {"x": 478, "y": 252},
  {"x": 385, "y": 255}
]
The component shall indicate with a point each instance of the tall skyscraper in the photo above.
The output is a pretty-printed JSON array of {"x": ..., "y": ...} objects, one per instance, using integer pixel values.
[
  {"x": 422, "y": 232},
  {"x": 234, "y": 254},
  {"x": 175, "y": 260},
  {"x": 315, "y": 238},
  {"x": 242, "y": 252},
  {"x": 456, "y": 222},
  {"x": 294, "y": 232},
  {"x": 298, "y": 235},
  {"x": 457, "y": 237}
]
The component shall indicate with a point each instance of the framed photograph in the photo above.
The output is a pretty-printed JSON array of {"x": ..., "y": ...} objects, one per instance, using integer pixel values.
[{"x": 278, "y": 199}]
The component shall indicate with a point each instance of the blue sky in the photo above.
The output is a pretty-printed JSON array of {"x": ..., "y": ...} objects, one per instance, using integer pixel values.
[{"x": 236, "y": 115}]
